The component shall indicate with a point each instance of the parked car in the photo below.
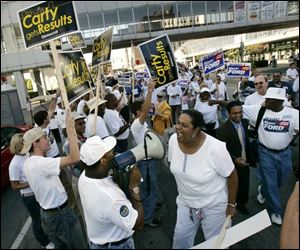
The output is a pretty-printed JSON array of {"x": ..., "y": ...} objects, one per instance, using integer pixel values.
[{"x": 6, "y": 134}]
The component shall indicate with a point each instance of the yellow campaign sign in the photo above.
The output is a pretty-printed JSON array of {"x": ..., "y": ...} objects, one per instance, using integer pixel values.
[
  {"x": 76, "y": 40},
  {"x": 102, "y": 47},
  {"x": 46, "y": 21},
  {"x": 159, "y": 58},
  {"x": 75, "y": 73}
]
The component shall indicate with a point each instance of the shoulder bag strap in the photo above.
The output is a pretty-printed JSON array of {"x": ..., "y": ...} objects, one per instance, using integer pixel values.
[{"x": 260, "y": 115}]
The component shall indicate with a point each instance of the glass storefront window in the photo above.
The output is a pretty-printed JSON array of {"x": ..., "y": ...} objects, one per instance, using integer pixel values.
[
  {"x": 213, "y": 12},
  {"x": 170, "y": 16},
  {"x": 95, "y": 20},
  {"x": 198, "y": 9},
  {"x": 226, "y": 11}
]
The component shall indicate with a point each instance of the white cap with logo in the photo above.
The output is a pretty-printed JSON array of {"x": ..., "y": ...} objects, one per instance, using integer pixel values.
[{"x": 94, "y": 148}]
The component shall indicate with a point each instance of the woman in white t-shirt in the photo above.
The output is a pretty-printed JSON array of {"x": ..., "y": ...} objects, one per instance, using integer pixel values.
[
  {"x": 19, "y": 182},
  {"x": 206, "y": 180}
]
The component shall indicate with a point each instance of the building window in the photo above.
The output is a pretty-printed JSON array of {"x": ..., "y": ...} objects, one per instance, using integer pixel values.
[
  {"x": 213, "y": 12},
  {"x": 155, "y": 17},
  {"x": 141, "y": 19},
  {"x": 293, "y": 8},
  {"x": 226, "y": 11},
  {"x": 95, "y": 20},
  {"x": 198, "y": 12},
  {"x": 126, "y": 21},
  {"x": 110, "y": 18},
  {"x": 170, "y": 16},
  {"x": 185, "y": 14},
  {"x": 83, "y": 21}
]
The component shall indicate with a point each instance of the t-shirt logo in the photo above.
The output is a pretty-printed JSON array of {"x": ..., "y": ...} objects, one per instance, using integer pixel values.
[
  {"x": 277, "y": 126},
  {"x": 124, "y": 211}
]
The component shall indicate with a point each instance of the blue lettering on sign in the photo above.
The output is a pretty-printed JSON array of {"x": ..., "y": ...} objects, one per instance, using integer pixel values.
[{"x": 277, "y": 126}]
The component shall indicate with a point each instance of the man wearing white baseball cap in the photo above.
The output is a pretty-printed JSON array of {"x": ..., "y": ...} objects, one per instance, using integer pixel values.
[
  {"x": 275, "y": 133},
  {"x": 42, "y": 173},
  {"x": 110, "y": 217}
]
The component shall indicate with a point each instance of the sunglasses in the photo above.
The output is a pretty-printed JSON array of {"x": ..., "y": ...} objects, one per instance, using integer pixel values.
[
  {"x": 259, "y": 83},
  {"x": 159, "y": 96}
]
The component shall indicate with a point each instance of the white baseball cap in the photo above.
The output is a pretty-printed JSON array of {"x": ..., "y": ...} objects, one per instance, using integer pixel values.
[
  {"x": 204, "y": 90},
  {"x": 77, "y": 116},
  {"x": 92, "y": 103},
  {"x": 30, "y": 137},
  {"x": 276, "y": 93},
  {"x": 94, "y": 148}
]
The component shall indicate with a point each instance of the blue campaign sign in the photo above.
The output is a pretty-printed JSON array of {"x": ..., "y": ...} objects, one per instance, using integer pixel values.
[
  {"x": 238, "y": 70},
  {"x": 212, "y": 62}
]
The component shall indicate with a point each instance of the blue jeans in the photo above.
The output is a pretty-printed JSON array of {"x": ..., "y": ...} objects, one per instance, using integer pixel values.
[
  {"x": 275, "y": 169},
  {"x": 64, "y": 229},
  {"x": 33, "y": 208},
  {"x": 149, "y": 202},
  {"x": 128, "y": 244}
]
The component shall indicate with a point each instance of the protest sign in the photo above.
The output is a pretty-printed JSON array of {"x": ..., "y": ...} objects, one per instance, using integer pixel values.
[
  {"x": 238, "y": 70},
  {"x": 159, "y": 58},
  {"x": 240, "y": 231},
  {"x": 102, "y": 47},
  {"x": 75, "y": 74},
  {"x": 212, "y": 62},
  {"x": 76, "y": 40},
  {"x": 47, "y": 20}
]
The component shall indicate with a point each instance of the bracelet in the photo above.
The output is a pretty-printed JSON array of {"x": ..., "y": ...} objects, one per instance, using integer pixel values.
[{"x": 232, "y": 205}]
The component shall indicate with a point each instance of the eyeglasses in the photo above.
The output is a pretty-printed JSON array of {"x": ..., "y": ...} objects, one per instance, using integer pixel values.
[
  {"x": 159, "y": 96},
  {"x": 259, "y": 83}
]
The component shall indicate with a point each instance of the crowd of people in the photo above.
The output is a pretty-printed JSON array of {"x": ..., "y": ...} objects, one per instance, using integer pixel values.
[{"x": 76, "y": 194}]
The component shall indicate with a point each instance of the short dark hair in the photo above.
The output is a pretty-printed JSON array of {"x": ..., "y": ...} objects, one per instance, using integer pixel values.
[
  {"x": 136, "y": 106},
  {"x": 232, "y": 104},
  {"x": 277, "y": 71},
  {"x": 40, "y": 116},
  {"x": 197, "y": 118}
]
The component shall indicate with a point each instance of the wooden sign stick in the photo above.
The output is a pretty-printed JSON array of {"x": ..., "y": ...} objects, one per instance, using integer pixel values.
[{"x": 97, "y": 98}]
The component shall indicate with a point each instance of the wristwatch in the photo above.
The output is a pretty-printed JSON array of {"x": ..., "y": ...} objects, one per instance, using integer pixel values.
[
  {"x": 232, "y": 205},
  {"x": 136, "y": 190}
]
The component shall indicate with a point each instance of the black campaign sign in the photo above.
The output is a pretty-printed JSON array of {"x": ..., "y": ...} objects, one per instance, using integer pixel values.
[
  {"x": 48, "y": 20},
  {"x": 160, "y": 60}
]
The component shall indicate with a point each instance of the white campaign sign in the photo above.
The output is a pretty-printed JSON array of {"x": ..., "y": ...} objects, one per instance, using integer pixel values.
[{"x": 240, "y": 231}]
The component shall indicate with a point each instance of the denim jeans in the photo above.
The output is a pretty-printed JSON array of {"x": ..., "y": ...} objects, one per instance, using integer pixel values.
[
  {"x": 275, "y": 169},
  {"x": 149, "y": 202},
  {"x": 64, "y": 229},
  {"x": 128, "y": 244},
  {"x": 33, "y": 208}
]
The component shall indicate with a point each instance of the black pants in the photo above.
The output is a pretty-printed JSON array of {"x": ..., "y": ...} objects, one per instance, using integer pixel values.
[{"x": 243, "y": 187}]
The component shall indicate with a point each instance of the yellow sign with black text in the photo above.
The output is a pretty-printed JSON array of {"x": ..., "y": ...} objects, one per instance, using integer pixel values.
[
  {"x": 46, "y": 21},
  {"x": 102, "y": 47},
  {"x": 159, "y": 58},
  {"x": 76, "y": 40}
]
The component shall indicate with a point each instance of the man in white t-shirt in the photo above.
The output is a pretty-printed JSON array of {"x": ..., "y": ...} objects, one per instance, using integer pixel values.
[
  {"x": 220, "y": 93},
  {"x": 275, "y": 134},
  {"x": 101, "y": 128},
  {"x": 139, "y": 127},
  {"x": 174, "y": 92},
  {"x": 42, "y": 174},
  {"x": 42, "y": 120},
  {"x": 115, "y": 123},
  {"x": 209, "y": 82},
  {"x": 110, "y": 217}
]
